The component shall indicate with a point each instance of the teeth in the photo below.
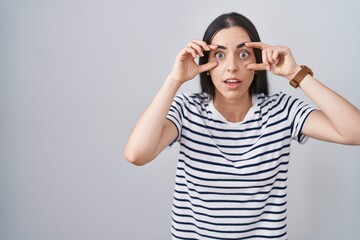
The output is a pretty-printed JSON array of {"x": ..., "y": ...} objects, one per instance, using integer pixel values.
[{"x": 232, "y": 81}]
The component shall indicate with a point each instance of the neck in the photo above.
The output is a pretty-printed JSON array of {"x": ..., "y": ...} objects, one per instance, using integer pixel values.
[{"x": 233, "y": 110}]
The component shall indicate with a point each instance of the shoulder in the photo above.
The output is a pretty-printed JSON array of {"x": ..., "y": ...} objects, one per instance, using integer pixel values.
[
  {"x": 195, "y": 99},
  {"x": 192, "y": 104},
  {"x": 277, "y": 103},
  {"x": 275, "y": 99}
]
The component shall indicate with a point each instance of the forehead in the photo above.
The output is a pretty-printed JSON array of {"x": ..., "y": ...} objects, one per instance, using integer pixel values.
[{"x": 230, "y": 37}]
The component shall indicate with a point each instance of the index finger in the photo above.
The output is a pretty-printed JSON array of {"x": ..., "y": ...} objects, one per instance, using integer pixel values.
[
  {"x": 259, "y": 45},
  {"x": 203, "y": 44}
]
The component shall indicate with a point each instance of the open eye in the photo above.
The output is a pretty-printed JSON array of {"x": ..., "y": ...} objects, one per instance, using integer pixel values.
[
  {"x": 219, "y": 55},
  {"x": 243, "y": 54}
]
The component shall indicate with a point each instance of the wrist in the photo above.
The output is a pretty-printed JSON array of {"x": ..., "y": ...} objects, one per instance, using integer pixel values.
[
  {"x": 293, "y": 74},
  {"x": 173, "y": 82},
  {"x": 300, "y": 75}
]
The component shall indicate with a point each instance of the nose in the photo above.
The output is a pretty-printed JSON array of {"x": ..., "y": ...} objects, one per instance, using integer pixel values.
[{"x": 232, "y": 65}]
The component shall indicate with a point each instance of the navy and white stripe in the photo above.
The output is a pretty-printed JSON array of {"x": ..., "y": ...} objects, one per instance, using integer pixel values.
[{"x": 231, "y": 178}]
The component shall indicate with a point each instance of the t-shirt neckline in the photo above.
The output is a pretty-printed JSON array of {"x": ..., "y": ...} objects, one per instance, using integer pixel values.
[{"x": 249, "y": 115}]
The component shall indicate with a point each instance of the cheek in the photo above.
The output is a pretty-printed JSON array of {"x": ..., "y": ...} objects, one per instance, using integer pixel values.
[
  {"x": 217, "y": 74},
  {"x": 216, "y": 69},
  {"x": 250, "y": 74},
  {"x": 244, "y": 63}
]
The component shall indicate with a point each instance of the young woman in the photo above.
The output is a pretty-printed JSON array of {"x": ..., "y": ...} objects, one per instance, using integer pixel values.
[{"x": 231, "y": 179}]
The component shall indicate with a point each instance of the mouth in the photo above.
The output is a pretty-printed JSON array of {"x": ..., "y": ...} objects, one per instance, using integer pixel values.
[{"x": 232, "y": 82}]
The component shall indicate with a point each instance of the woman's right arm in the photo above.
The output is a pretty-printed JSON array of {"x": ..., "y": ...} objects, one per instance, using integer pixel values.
[{"x": 153, "y": 132}]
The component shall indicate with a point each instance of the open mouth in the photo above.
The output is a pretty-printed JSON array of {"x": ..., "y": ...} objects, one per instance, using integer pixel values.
[{"x": 232, "y": 81}]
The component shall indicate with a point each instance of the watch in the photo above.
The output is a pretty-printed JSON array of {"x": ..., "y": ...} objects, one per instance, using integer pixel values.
[{"x": 295, "y": 82}]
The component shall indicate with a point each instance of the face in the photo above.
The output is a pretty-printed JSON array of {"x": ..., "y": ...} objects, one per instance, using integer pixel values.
[{"x": 230, "y": 77}]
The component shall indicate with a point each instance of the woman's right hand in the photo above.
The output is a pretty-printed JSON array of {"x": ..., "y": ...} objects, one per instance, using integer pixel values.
[{"x": 185, "y": 67}]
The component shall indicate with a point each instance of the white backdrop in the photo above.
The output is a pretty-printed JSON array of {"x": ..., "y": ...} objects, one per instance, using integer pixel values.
[{"x": 76, "y": 75}]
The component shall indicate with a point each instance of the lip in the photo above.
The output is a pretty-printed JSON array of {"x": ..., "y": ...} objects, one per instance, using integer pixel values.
[
  {"x": 232, "y": 78},
  {"x": 232, "y": 83}
]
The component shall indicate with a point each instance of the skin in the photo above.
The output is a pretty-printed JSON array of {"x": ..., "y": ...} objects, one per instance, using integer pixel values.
[
  {"x": 232, "y": 100},
  {"x": 336, "y": 120}
]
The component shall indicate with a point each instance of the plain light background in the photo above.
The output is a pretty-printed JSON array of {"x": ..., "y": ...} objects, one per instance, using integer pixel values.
[{"x": 76, "y": 75}]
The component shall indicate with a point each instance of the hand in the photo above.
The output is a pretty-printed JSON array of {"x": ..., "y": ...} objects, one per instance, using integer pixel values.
[
  {"x": 277, "y": 59},
  {"x": 185, "y": 67}
]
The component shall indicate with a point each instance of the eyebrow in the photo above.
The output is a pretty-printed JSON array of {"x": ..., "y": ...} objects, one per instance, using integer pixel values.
[{"x": 237, "y": 46}]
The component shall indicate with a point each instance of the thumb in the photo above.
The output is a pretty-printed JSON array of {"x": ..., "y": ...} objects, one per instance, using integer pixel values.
[{"x": 208, "y": 66}]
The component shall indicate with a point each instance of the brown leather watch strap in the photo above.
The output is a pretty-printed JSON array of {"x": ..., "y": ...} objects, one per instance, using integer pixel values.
[{"x": 295, "y": 82}]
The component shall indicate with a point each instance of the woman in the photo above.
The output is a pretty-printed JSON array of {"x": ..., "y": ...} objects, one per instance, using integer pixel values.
[{"x": 231, "y": 178}]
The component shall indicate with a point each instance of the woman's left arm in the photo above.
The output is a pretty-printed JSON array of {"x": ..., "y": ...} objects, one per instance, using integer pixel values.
[{"x": 336, "y": 120}]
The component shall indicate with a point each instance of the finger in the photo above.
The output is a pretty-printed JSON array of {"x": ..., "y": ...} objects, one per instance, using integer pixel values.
[
  {"x": 259, "y": 45},
  {"x": 256, "y": 66},
  {"x": 207, "y": 66},
  {"x": 264, "y": 60},
  {"x": 213, "y": 47},
  {"x": 275, "y": 57},
  {"x": 269, "y": 53},
  {"x": 203, "y": 44},
  {"x": 197, "y": 49},
  {"x": 191, "y": 51}
]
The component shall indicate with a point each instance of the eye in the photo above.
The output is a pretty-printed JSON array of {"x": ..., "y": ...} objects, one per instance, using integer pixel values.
[
  {"x": 219, "y": 55},
  {"x": 243, "y": 54}
]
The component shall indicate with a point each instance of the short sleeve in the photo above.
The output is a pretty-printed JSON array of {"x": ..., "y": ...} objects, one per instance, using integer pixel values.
[
  {"x": 176, "y": 114},
  {"x": 298, "y": 113}
]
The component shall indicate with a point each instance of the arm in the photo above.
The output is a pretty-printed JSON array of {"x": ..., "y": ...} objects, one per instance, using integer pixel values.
[
  {"x": 337, "y": 120},
  {"x": 153, "y": 132}
]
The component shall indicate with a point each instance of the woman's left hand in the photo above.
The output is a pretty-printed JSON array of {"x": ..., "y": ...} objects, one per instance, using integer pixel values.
[{"x": 277, "y": 59}]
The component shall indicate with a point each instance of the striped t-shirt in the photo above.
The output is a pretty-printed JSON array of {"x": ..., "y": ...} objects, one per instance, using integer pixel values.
[{"x": 231, "y": 178}]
